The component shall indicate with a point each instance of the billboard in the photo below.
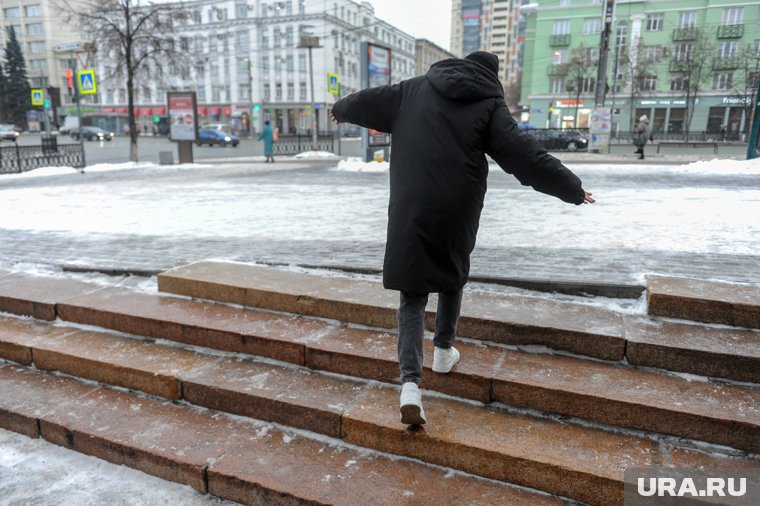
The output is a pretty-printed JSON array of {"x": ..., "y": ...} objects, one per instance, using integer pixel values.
[
  {"x": 183, "y": 116},
  {"x": 378, "y": 65}
]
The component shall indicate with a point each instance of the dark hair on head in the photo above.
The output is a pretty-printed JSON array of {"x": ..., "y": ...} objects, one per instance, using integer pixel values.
[{"x": 266, "y": 122}]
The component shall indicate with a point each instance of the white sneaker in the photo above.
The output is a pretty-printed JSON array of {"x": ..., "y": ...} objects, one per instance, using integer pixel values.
[
  {"x": 444, "y": 360},
  {"x": 411, "y": 405}
]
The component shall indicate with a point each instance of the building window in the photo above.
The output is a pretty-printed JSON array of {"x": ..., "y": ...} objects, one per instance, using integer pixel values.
[
  {"x": 34, "y": 29},
  {"x": 727, "y": 49},
  {"x": 564, "y": 3},
  {"x": 213, "y": 68},
  {"x": 654, "y": 53},
  {"x": 756, "y": 49},
  {"x": 302, "y": 62},
  {"x": 592, "y": 26},
  {"x": 291, "y": 92},
  {"x": 649, "y": 83},
  {"x": 557, "y": 85},
  {"x": 733, "y": 16},
  {"x": 198, "y": 44},
  {"x": 753, "y": 80},
  {"x": 33, "y": 10},
  {"x": 302, "y": 91},
  {"x": 244, "y": 92},
  {"x": 301, "y": 6},
  {"x": 722, "y": 81},
  {"x": 241, "y": 10},
  {"x": 655, "y": 22},
  {"x": 243, "y": 66},
  {"x": 242, "y": 40},
  {"x": 289, "y": 37},
  {"x": 216, "y": 93},
  {"x": 683, "y": 51},
  {"x": 588, "y": 84},
  {"x": 277, "y": 64},
  {"x": 13, "y": 12},
  {"x": 267, "y": 92},
  {"x": 212, "y": 43},
  {"x": 289, "y": 63},
  {"x": 36, "y": 47},
  {"x": 561, "y": 27},
  {"x": 590, "y": 56},
  {"x": 687, "y": 19},
  {"x": 200, "y": 91},
  {"x": 38, "y": 66},
  {"x": 265, "y": 63},
  {"x": 278, "y": 92},
  {"x": 265, "y": 37},
  {"x": 226, "y": 67}
]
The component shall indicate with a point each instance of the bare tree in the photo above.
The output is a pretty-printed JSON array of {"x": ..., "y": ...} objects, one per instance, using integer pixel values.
[
  {"x": 137, "y": 38},
  {"x": 693, "y": 61},
  {"x": 579, "y": 74},
  {"x": 640, "y": 67},
  {"x": 746, "y": 77}
]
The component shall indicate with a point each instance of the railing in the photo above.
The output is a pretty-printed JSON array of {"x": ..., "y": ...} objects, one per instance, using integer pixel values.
[
  {"x": 294, "y": 144},
  {"x": 727, "y": 63},
  {"x": 559, "y": 40},
  {"x": 685, "y": 34},
  {"x": 554, "y": 70},
  {"x": 16, "y": 159},
  {"x": 559, "y": 139},
  {"x": 623, "y": 137},
  {"x": 730, "y": 31},
  {"x": 679, "y": 65}
]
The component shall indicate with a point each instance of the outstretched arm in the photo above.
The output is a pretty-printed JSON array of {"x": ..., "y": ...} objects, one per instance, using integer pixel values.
[
  {"x": 371, "y": 108},
  {"x": 522, "y": 156}
]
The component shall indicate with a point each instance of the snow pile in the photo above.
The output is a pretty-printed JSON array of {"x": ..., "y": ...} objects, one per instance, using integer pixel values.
[
  {"x": 356, "y": 164},
  {"x": 718, "y": 166},
  {"x": 311, "y": 155},
  {"x": 100, "y": 167}
]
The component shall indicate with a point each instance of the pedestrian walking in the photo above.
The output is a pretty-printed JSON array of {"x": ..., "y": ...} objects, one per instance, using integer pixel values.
[
  {"x": 723, "y": 133},
  {"x": 442, "y": 125},
  {"x": 267, "y": 135},
  {"x": 643, "y": 135}
]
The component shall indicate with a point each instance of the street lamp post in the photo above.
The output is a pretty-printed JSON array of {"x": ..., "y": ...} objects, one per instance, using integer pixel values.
[{"x": 310, "y": 42}]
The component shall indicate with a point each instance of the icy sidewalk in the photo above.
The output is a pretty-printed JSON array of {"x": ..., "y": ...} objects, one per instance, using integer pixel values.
[{"x": 33, "y": 471}]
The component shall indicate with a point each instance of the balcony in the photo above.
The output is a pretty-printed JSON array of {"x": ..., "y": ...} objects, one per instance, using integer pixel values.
[
  {"x": 679, "y": 65},
  {"x": 685, "y": 34},
  {"x": 730, "y": 31},
  {"x": 559, "y": 40},
  {"x": 727, "y": 63}
]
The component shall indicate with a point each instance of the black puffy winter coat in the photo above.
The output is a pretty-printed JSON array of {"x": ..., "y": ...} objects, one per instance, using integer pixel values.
[{"x": 442, "y": 125}]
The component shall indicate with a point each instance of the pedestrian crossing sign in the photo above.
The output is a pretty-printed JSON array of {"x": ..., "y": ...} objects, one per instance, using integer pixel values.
[
  {"x": 37, "y": 98},
  {"x": 86, "y": 80},
  {"x": 333, "y": 84}
]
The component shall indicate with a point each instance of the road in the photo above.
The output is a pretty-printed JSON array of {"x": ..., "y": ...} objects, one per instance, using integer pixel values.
[{"x": 149, "y": 147}]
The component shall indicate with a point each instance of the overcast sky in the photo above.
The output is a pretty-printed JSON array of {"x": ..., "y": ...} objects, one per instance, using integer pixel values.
[{"x": 424, "y": 19}]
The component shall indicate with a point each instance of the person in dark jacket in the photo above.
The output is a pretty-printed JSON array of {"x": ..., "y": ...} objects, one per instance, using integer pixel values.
[
  {"x": 442, "y": 125},
  {"x": 643, "y": 135}
]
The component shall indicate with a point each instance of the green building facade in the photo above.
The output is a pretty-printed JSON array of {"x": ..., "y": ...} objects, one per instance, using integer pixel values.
[{"x": 687, "y": 64}]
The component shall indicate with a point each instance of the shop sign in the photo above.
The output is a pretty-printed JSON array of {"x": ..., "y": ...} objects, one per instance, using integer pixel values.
[{"x": 737, "y": 100}]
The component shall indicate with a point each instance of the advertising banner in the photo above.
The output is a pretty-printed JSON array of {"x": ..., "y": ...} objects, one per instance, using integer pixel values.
[
  {"x": 378, "y": 65},
  {"x": 183, "y": 116},
  {"x": 376, "y": 71}
]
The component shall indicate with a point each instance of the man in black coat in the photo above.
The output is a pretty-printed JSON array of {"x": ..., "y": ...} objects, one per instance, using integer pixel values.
[{"x": 442, "y": 125}]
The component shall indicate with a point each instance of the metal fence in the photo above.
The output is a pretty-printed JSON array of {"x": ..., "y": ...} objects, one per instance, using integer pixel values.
[
  {"x": 15, "y": 158},
  {"x": 294, "y": 144},
  {"x": 623, "y": 137}
]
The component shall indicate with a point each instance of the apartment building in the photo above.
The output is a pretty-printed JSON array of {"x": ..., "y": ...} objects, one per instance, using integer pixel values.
[{"x": 687, "y": 64}]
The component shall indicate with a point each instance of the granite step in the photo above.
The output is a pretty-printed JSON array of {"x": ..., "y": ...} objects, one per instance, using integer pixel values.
[
  {"x": 642, "y": 399},
  {"x": 723, "y": 353},
  {"x": 704, "y": 301},
  {"x": 246, "y": 461},
  {"x": 583, "y": 330},
  {"x": 531, "y": 451}
]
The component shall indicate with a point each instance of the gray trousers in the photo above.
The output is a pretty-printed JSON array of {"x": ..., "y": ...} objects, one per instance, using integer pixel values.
[{"x": 411, "y": 328}]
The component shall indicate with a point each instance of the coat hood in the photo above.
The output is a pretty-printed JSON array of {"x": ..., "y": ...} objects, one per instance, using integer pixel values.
[{"x": 464, "y": 80}]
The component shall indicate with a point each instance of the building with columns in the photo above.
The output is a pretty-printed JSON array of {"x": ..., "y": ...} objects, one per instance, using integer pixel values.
[
  {"x": 248, "y": 66},
  {"x": 687, "y": 64}
]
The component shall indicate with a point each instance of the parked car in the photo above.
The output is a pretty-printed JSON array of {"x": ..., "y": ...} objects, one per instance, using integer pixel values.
[
  {"x": 568, "y": 140},
  {"x": 92, "y": 133},
  {"x": 213, "y": 136},
  {"x": 9, "y": 133}
]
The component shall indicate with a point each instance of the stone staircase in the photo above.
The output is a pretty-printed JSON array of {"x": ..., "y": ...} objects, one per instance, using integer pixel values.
[{"x": 270, "y": 387}]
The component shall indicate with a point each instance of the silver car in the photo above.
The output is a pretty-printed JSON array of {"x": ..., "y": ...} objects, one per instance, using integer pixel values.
[{"x": 9, "y": 133}]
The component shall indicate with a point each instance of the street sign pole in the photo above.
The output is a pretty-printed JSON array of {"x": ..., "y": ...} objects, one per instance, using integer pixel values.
[
  {"x": 78, "y": 99},
  {"x": 753, "y": 143}
]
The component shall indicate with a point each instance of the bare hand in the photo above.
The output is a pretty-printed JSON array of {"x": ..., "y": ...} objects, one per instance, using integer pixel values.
[
  {"x": 587, "y": 198},
  {"x": 332, "y": 118}
]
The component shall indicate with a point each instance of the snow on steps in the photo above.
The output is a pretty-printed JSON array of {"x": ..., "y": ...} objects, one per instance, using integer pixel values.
[
  {"x": 366, "y": 414},
  {"x": 531, "y": 451}
]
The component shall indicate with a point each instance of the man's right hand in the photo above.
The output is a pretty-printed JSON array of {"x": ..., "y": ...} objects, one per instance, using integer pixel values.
[
  {"x": 587, "y": 198},
  {"x": 332, "y": 118}
]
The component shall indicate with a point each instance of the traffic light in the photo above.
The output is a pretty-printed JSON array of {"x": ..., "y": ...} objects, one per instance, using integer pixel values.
[
  {"x": 256, "y": 107},
  {"x": 70, "y": 80},
  {"x": 47, "y": 104},
  {"x": 551, "y": 107},
  {"x": 156, "y": 119}
]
